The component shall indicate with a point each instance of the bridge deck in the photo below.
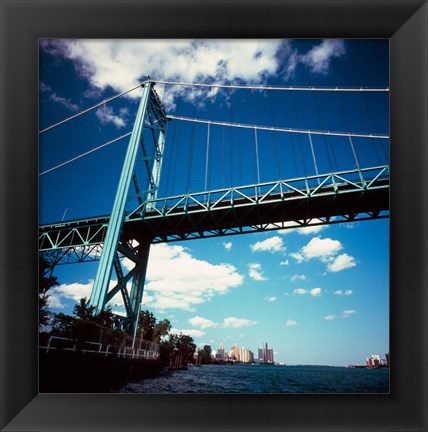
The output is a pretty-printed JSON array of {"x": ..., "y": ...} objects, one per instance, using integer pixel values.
[{"x": 230, "y": 211}]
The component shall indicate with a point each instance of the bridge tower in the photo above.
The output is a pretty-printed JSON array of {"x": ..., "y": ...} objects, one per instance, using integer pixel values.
[{"x": 148, "y": 139}]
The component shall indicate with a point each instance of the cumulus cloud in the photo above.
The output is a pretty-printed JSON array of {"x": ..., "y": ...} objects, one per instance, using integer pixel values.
[
  {"x": 233, "y": 322},
  {"x": 315, "y": 292},
  {"x": 175, "y": 279},
  {"x": 64, "y": 102},
  {"x": 270, "y": 299},
  {"x": 311, "y": 229},
  {"x": 300, "y": 291},
  {"x": 272, "y": 244},
  {"x": 319, "y": 57},
  {"x": 343, "y": 292},
  {"x": 203, "y": 323},
  {"x": 297, "y": 256},
  {"x": 321, "y": 248},
  {"x": 341, "y": 262},
  {"x": 326, "y": 250},
  {"x": 291, "y": 323},
  {"x": 255, "y": 272},
  {"x": 227, "y": 245},
  {"x": 345, "y": 314},
  {"x": 189, "y": 332},
  {"x": 284, "y": 263},
  {"x": 123, "y": 64},
  {"x": 296, "y": 278},
  {"x": 72, "y": 291},
  {"x": 106, "y": 115}
]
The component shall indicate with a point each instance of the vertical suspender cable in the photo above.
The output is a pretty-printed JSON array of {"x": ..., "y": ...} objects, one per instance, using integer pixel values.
[
  {"x": 275, "y": 144},
  {"x": 192, "y": 142},
  {"x": 345, "y": 118},
  {"x": 330, "y": 152},
  {"x": 313, "y": 155},
  {"x": 257, "y": 156},
  {"x": 207, "y": 158},
  {"x": 376, "y": 131},
  {"x": 299, "y": 137}
]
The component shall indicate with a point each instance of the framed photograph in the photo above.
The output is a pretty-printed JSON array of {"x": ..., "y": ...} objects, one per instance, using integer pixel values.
[{"x": 347, "y": 297}]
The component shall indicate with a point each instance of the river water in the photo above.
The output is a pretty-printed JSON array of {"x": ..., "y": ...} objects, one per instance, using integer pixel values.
[{"x": 263, "y": 379}]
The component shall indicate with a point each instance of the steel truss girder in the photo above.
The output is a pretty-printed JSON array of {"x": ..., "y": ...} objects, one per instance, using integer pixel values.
[{"x": 224, "y": 212}]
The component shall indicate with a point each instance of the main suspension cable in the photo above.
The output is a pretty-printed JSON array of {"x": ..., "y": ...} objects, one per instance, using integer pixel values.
[
  {"x": 84, "y": 154},
  {"x": 277, "y": 129},
  {"x": 270, "y": 87},
  {"x": 90, "y": 108}
]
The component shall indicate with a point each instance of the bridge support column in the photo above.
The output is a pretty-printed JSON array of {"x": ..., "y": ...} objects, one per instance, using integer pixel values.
[
  {"x": 99, "y": 291},
  {"x": 138, "y": 285}
]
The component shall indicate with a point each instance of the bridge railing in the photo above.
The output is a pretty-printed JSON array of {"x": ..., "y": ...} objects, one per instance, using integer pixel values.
[
  {"x": 318, "y": 185},
  {"x": 131, "y": 348}
]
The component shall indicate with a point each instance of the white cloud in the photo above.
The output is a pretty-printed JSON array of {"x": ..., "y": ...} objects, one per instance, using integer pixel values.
[
  {"x": 73, "y": 291},
  {"x": 106, "y": 115},
  {"x": 291, "y": 323},
  {"x": 345, "y": 314},
  {"x": 189, "y": 332},
  {"x": 62, "y": 101},
  {"x": 255, "y": 272},
  {"x": 315, "y": 292},
  {"x": 319, "y": 57},
  {"x": 343, "y": 293},
  {"x": 326, "y": 250},
  {"x": 311, "y": 229},
  {"x": 320, "y": 248},
  {"x": 341, "y": 262},
  {"x": 227, "y": 245},
  {"x": 175, "y": 279},
  {"x": 270, "y": 299},
  {"x": 203, "y": 323},
  {"x": 297, "y": 256},
  {"x": 300, "y": 291},
  {"x": 273, "y": 244},
  {"x": 296, "y": 278},
  {"x": 284, "y": 263},
  {"x": 348, "y": 313},
  {"x": 233, "y": 322}
]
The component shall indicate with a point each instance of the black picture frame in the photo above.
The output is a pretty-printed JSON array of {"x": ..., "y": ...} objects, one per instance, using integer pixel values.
[{"x": 404, "y": 22}]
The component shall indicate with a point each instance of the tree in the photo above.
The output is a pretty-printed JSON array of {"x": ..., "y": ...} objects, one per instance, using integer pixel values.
[
  {"x": 146, "y": 325},
  {"x": 161, "y": 329},
  {"x": 46, "y": 282},
  {"x": 205, "y": 354},
  {"x": 184, "y": 348},
  {"x": 83, "y": 310}
]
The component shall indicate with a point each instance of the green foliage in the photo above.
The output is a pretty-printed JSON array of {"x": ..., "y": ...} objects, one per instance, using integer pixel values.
[
  {"x": 151, "y": 330},
  {"x": 86, "y": 326},
  {"x": 83, "y": 311},
  {"x": 46, "y": 282},
  {"x": 204, "y": 355}
]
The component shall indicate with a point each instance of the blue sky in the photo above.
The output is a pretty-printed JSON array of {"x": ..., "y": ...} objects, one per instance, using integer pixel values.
[{"x": 318, "y": 295}]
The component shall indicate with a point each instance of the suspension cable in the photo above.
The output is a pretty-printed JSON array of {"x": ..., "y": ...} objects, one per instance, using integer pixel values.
[
  {"x": 90, "y": 108},
  {"x": 277, "y": 129},
  {"x": 271, "y": 87},
  {"x": 84, "y": 154}
]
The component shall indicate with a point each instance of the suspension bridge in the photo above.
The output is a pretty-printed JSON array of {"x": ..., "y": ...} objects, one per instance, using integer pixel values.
[{"x": 245, "y": 173}]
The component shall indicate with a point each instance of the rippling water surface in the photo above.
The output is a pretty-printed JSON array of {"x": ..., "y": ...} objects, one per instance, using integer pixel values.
[{"x": 263, "y": 379}]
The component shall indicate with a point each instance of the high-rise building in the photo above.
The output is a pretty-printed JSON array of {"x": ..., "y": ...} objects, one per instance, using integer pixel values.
[
  {"x": 265, "y": 354},
  {"x": 245, "y": 355},
  {"x": 220, "y": 352}
]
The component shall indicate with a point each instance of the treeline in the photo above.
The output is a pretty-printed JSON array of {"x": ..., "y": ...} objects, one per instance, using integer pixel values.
[{"x": 84, "y": 325}]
